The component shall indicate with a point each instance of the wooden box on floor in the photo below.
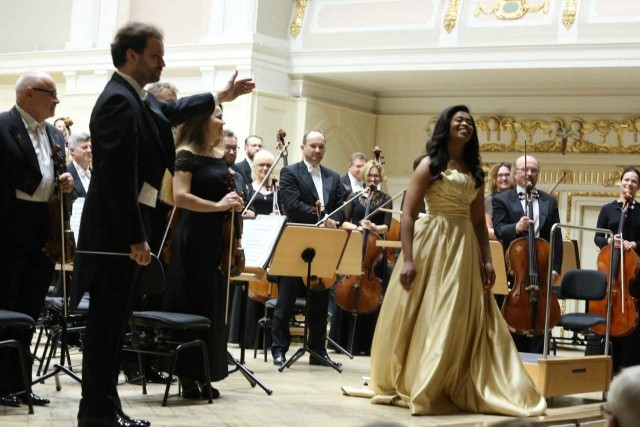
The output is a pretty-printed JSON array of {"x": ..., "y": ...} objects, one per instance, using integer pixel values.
[{"x": 557, "y": 376}]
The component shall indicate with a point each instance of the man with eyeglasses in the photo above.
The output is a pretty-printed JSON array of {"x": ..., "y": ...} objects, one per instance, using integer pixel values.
[
  {"x": 27, "y": 144},
  {"x": 510, "y": 222}
]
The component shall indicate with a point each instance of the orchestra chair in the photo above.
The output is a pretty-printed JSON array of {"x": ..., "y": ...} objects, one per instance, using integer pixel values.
[
  {"x": 264, "y": 324},
  {"x": 153, "y": 332},
  {"x": 51, "y": 327},
  {"x": 584, "y": 285},
  {"x": 13, "y": 319}
]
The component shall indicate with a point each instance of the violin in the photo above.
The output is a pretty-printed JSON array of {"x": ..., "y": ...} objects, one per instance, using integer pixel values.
[
  {"x": 172, "y": 220},
  {"x": 524, "y": 308},
  {"x": 60, "y": 240},
  {"x": 621, "y": 265},
  {"x": 233, "y": 260},
  {"x": 363, "y": 294}
]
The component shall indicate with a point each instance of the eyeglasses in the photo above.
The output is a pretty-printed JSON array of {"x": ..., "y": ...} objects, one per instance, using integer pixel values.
[
  {"x": 533, "y": 171},
  {"x": 231, "y": 148},
  {"x": 51, "y": 92},
  {"x": 264, "y": 165},
  {"x": 504, "y": 175}
]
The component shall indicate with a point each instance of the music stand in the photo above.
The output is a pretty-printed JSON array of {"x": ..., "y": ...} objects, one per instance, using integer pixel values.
[
  {"x": 243, "y": 280},
  {"x": 306, "y": 251}
]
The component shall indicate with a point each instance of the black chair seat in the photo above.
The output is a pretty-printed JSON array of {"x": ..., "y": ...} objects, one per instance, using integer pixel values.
[
  {"x": 580, "y": 321},
  {"x": 300, "y": 304},
  {"x": 55, "y": 303},
  {"x": 164, "y": 319},
  {"x": 13, "y": 319}
]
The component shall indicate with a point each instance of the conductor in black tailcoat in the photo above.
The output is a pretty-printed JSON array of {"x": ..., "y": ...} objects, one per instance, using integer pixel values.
[
  {"x": 132, "y": 147},
  {"x": 26, "y": 145},
  {"x": 301, "y": 184},
  {"x": 510, "y": 223}
]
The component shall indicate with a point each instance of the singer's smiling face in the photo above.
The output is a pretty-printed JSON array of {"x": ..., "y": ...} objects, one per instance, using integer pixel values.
[{"x": 529, "y": 173}]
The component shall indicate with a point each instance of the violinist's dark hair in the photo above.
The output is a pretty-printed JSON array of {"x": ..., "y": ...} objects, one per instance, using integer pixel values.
[
  {"x": 629, "y": 169},
  {"x": 192, "y": 132},
  {"x": 437, "y": 147}
]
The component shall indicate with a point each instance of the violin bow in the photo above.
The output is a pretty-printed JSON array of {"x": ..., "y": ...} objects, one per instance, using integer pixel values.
[
  {"x": 266, "y": 176},
  {"x": 383, "y": 205},
  {"x": 342, "y": 206}
]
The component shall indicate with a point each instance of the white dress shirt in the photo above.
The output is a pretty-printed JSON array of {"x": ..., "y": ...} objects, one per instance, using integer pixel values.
[
  {"x": 355, "y": 184},
  {"x": 536, "y": 209},
  {"x": 316, "y": 176},
  {"x": 38, "y": 134},
  {"x": 84, "y": 174}
]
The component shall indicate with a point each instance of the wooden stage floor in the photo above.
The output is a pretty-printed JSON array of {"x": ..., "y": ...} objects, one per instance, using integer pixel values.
[{"x": 302, "y": 395}]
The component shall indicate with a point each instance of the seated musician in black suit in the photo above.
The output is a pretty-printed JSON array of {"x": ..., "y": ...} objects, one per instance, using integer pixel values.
[
  {"x": 510, "y": 223},
  {"x": 252, "y": 144},
  {"x": 352, "y": 181},
  {"x": 301, "y": 185}
]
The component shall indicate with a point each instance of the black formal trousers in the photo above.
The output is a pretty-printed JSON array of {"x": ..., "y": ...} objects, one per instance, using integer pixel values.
[
  {"x": 288, "y": 290},
  {"x": 25, "y": 275}
]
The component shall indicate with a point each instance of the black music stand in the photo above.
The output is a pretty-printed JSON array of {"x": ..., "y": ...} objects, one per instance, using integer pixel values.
[
  {"x": 306, "y": 251},
  {"x": 243, "y": 280}
]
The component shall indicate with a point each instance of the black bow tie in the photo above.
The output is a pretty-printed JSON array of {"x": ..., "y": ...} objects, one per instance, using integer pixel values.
[{"x": 534, "y": 194}]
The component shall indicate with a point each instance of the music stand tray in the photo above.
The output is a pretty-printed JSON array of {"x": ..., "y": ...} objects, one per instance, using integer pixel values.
[{"x": 306, "y": 251}]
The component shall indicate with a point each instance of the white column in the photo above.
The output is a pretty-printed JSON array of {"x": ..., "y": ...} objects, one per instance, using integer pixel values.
[{"x": 83, "y": 22}]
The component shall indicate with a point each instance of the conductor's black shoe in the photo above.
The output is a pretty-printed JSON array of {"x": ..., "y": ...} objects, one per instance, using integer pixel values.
[
  {"x": 278, "y": 358},
  {"x": 154, "y": 376},
  {"x": 9, "y": 400},
  {"x": 35, "y": 400},
  {"x": 325, "y": 356}
]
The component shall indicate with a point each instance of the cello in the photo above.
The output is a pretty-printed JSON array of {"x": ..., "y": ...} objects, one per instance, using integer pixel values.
[
  {"x": 620, "y": 266},
  {"x": 362, "y": 294},
  {"x": 60, "y": 245},
  {"x": 524, "y": 308}
]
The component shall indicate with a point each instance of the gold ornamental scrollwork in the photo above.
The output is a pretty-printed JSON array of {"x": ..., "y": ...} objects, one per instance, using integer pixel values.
[
  {"x": 512, "y": 9},
  {"x": 573, "y": 135},
  {"x": 451, "y": 15},
  {"x": 569, "y": 13},
  {"x": 296, "y": 23}
]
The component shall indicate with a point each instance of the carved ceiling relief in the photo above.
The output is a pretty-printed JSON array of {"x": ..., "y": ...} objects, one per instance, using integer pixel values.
[{"x": 511, "y": 9}]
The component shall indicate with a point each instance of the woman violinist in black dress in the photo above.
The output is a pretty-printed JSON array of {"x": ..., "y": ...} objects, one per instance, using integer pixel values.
[
  {"x": 372, "y": 174},
  {"x": 195, "y": 284},
  {"x": 626, "y": 349}
]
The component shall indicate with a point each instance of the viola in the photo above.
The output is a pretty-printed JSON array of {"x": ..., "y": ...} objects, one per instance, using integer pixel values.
[
  {"x": 360, "y": 294},
  {"x": 622, "y": 266},
  {"x": 524, "y": 308},
  {"x": 233, "y": 260},
  {"x": 282, "y": 146},
  {"x": 172, "y": 220},
  {"x": 393, "y": 235},
  {"x": 60, "y": 239}
]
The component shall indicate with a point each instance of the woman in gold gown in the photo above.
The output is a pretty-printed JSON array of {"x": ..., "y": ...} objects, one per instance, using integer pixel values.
[{"x": 441, "y": 344}]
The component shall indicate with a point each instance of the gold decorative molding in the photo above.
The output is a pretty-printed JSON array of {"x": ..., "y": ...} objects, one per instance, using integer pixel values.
[
  {"x": 512, "y": 9},
  {"x": 451, "y": 16},
  {"x": 559, "y": 136},
  {"x": 591, "y": 178},
  {"x": 296, "y": 24},
  {"x": 569, "y": 13}
]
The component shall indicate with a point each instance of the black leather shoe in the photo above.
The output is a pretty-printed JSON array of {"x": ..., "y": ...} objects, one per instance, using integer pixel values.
[
  {"x": 325, "y": 356},
  {"x": 154, "y": 376},
  {"x": 192, "y": 393},
  {"x": 278, "y": 358},
  {"x": 9, "y": 400},
  {"x": 215, "y": 393},
  {"x": 36, "y": 400},
  {"x": 133, "y": 377},
  {"x": 126, "y": 421}
]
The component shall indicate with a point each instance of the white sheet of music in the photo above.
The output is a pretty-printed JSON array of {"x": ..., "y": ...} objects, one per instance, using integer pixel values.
[
  {"x": 259, "y": 238},
  {"x": 76, "y": 214}
]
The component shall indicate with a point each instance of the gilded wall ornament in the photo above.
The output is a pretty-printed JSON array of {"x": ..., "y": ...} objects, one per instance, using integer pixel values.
[
  {"x": 296, "y": 24},
  {"x": 569, "y": 13},
  {"x": 499, "y": 134},
  {"x": 512, "y": 9},
  {"x": 451, "y": 16}
]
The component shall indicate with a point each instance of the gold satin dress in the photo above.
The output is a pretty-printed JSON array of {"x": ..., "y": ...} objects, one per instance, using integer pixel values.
[{"x": 444, "y": 346}]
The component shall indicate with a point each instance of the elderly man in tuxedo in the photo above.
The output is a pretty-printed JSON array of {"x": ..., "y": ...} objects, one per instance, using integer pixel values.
[
  {"x": 27, "y": 144},
  {"x": 301, "y": 184},
  {"x": 132, "y": 148},
  {"x": 80, "y": 165},
  {"x": 510, "y": 223}
]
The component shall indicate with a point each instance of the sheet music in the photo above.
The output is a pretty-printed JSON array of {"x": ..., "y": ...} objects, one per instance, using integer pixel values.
[
  {"x": 259, "y": 238},
  {"x": 76, "y": 214}
]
